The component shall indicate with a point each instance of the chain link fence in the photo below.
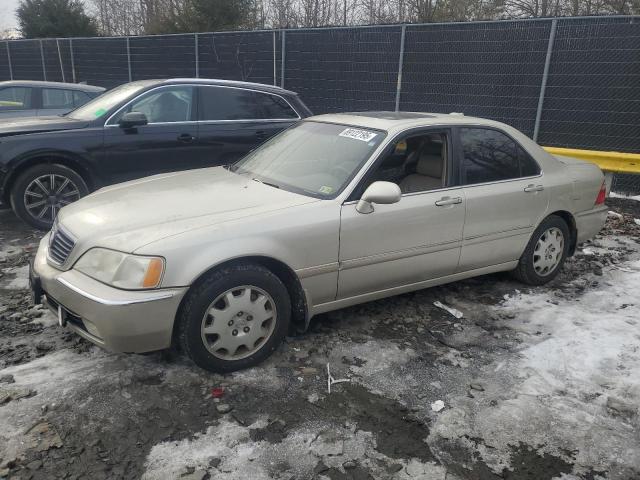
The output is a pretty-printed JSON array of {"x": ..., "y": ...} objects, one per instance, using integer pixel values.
[{"x": 566, "y": 82}]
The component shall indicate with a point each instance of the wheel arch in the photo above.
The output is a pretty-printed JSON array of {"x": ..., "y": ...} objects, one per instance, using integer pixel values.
[
  {"x": 299, "y": 305},
  {"x": 573, "y": 230},
  {"x": 69, "y": 160}
]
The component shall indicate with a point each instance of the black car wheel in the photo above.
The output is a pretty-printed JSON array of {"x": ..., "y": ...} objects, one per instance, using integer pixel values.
[
  {"x": 41, "y": 191},
  {"x": 546, "y": 252},
  {"x": 234, "y": 318}
]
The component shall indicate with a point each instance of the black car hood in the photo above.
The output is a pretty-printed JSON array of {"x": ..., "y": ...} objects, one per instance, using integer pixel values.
[{"x": 22, "y": 126}]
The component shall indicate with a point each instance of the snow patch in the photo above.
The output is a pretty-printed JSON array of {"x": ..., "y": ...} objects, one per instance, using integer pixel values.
[{"x": 20, "y": 280}]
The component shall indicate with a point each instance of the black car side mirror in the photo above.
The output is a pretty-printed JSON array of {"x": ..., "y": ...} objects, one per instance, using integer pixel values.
[{"x": 133, "y": 119}]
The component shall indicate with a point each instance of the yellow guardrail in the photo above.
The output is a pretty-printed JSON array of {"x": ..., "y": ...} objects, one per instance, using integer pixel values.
[{"x": 609, "y": 161}]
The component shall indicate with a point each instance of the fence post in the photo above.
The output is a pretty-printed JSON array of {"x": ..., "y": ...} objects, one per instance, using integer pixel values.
[
  {"x": 9, "y": 60},
  {"x": 129, "y": 59},
  {"x": 275, "y": 64},
  {"x": 60, "y": 58},
  {"x": 44, "y": 68},
  {"x": 197, "y": 56},
  {"x": 283, "y": 32},
  {"x": 73, "y": 62},
  {"x": 545, "y": 76},
  {"x": 400, "y": 66}
]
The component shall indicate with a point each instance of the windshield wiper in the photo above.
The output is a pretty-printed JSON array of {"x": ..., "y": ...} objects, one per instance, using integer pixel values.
[{"x": 266, "y": 183}]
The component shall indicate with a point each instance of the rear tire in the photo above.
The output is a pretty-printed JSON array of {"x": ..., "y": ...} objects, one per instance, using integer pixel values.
[
  {"x": 546, "y": 252},
  {"x": 40, "y": 191},
  {"x": 234, "y": 318}
]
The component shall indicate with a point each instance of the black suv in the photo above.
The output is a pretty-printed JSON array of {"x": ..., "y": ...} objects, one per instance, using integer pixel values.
[{"x": 138, "y": 129}]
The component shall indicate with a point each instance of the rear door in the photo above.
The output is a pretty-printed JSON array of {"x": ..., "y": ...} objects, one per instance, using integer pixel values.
[
  {"x": 18, "y": 102},
  {"x": 167, "y": 143},
  {"x": 505, "y": 193},
  {"x": 233, "y": 121}
]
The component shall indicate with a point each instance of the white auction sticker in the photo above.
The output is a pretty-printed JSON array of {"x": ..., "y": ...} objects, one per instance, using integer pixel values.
[{"x": 358, "y": 134}]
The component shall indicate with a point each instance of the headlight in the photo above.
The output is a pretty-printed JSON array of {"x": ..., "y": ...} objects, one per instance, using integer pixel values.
[{"x": 121, "y": 270}]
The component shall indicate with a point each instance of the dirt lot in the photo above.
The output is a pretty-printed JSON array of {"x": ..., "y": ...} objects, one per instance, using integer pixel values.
[{"x": 536, "y": 383}]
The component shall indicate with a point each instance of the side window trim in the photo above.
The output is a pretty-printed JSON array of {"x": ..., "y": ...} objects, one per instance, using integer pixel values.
[
  {"x": 459, "y": 156},
  {"x": 293, "y": 119},
  {"x": 107, "y": 124},
  {"x": 447, "y": 130}
]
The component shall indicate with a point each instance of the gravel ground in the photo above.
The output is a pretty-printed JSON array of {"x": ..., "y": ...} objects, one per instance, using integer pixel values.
[{"x": 531, "y": 383}]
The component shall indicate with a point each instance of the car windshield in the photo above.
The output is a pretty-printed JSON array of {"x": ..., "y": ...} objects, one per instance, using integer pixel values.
[
  {"x": 99, "y": 107},
  {"x": 312, "y": 158}
]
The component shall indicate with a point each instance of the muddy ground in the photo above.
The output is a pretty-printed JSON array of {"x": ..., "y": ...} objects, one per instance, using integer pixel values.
[{"x": 535, "y": 383}]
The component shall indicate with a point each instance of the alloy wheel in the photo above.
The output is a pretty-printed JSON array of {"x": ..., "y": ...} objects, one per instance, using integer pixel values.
[
  {"x": 548, "y": 251},
  {"x": 47, "y": 194},
  {"x": 239, "y": 322}
]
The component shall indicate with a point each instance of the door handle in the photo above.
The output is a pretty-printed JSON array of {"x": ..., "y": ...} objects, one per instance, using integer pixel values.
[
  {"x": 261, "y": 134},
  {"x": 533, "y": 188},
  {"x": 444, "y": 201},
  {"x": 186, "y": 138}
]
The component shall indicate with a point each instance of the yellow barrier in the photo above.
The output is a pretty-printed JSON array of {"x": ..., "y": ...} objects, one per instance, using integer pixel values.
[{"x": 608, "y": 161}]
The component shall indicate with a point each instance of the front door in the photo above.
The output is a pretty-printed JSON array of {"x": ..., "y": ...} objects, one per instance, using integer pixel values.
[
  {"x": 417, "y": 239},
  {"x": 167, "y": 143}
]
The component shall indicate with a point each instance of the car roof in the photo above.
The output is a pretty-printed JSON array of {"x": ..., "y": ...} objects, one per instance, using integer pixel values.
[
  {"x": 263, "y": 87},
  {"x": 69, "y": 86},
  {"x": 397, "y": 121}
]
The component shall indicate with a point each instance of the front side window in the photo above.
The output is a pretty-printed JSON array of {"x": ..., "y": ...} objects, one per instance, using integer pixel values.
[
  {"x": 165, "y": 105},
  {"x": 57, "y": 98},
  {"x": 311, "y": 158},
  {"x": 100, "y": 106},
  {"x": 491, "y": 156},
  {"x": 15, "y": 98},
  {"x": 416, "y": 163}
]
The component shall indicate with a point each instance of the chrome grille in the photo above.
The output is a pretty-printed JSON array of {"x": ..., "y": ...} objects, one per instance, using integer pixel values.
[{"x": 60, "y": 245}]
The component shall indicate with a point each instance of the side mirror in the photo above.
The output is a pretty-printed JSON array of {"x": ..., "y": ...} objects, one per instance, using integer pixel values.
[
  {"x": 383, "y": 193},
  {"x": 133, "y": 119}
]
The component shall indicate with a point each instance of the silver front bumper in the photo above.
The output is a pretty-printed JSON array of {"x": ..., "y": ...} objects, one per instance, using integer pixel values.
[{"x": 118, "y": 320}]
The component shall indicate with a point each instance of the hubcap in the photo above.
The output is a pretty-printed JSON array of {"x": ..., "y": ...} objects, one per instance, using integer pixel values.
[
  {"x": 239, "y": 322},
  {"x": 47, "y": 194},
  {"x": 548, "y": 251}
]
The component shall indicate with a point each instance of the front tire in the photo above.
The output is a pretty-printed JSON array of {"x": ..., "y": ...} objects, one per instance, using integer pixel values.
[
  {"x": 42, "y": 190},
  {"x": 234, "y": 318},
  {"x": 546, "y": 252}
]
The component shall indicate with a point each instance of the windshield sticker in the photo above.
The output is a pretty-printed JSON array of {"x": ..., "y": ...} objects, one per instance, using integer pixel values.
[
  {"x": 357, "y": 134},
  {"x": 326, "y": 190},
  {"x": 100, "y": 112}
]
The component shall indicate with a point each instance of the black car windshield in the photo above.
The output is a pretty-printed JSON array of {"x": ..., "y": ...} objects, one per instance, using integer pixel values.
[
  {"x": 101, "y": 105},
  {"x": 312, "y": 158}
]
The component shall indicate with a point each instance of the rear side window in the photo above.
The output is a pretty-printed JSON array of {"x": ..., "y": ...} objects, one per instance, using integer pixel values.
[
  {"x": 80, "y": 98},
  {"x": 222, "y": 103},
  {"x": 274, "y": 107},
  {"x": 490, "y": 156},
  {"x": 57, "y": 98},
  {"x": 15, "y": 98}
]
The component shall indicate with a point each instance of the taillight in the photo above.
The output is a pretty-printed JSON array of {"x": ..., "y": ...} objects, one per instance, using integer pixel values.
[{"x": 602, "y": 194}]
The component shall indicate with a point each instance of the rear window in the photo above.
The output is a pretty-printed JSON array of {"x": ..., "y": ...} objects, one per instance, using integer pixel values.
[
  {"x": 274, "y": 107},
  {"x": 222, "y": 103},
  {"x": 491, "y": 156}
]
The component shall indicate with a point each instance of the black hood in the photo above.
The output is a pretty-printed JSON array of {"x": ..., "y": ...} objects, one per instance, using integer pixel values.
[{"x": 24, "y": 125}]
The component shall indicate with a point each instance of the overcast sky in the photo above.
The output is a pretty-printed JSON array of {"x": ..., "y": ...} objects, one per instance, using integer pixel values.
[{"x": 7, "y": 17}]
